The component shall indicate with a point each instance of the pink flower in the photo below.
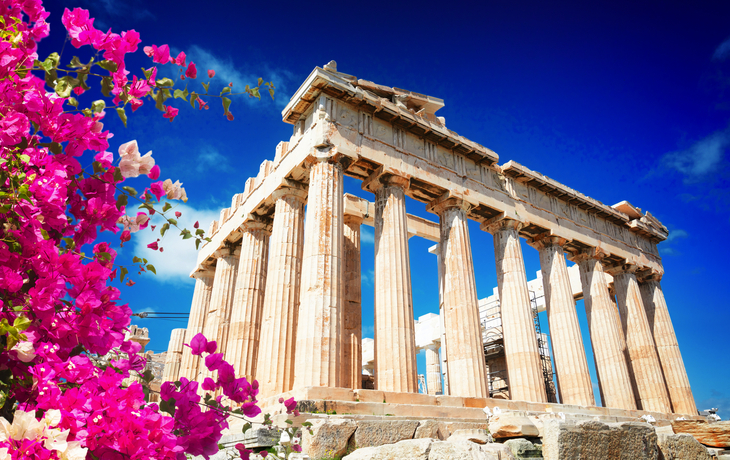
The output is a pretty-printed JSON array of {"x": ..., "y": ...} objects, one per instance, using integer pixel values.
[
  {"x": 170, "y": 112},
  {"x": 160, "y": 55},
  {"x": 196, "y": 224},
  {"x": 211, "y": 73},
  {"x": 208, "y": 384},
  {"x": 178, "y": 214},
  {"x": 180, "y": 59},
  {"x": 154, "y": 173},
  {"x": 157, "y": 190},
  {"x": 191, "y": 71},
  {"x": 174, "y": 191},
  {"x": 153, "y": 245},
  {"x": 132, "y": 164}
]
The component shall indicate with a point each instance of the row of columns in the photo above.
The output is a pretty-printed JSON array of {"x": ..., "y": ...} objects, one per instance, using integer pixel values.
[{"x": 296, "y": 322}]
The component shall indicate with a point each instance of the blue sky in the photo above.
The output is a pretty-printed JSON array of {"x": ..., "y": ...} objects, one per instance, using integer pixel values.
[{"x": 617, "y": 100}]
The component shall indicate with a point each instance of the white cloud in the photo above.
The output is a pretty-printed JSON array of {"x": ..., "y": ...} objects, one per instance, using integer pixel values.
[
  {"x": 700, "y": 159},
  {"x": 210, "y": 159},
  {"x": 366, "y": 235},
  {"x": 368, "y": 332},
  {"x": 227, "y": 71},
  {"x": 179, "y": 256},
  {"x": 676, "y": 234},
  {"x": 367, "y": 278},
  {"x": 723, "y": 51}
]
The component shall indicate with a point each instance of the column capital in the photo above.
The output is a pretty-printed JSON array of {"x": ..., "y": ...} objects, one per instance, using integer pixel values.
[
  {"x": 645, "y": 275},
  {"x": 352, "y": 219},
  {"x": 546, "y": 239},
  {"x": 329, "y": 154},
  {"x": 202, "y": 272},
  {"x": 501, "y": 222},
  {"x": 253, "y": 222},
  {"x": 292, "y": 188},
  {"x": 448, "y": 200},
  {"x": 620, "y": 269},
  {"x": 587, "y": 254},
  {"x": 385, "y": 176},
  {"x": 227, "y": 251}
]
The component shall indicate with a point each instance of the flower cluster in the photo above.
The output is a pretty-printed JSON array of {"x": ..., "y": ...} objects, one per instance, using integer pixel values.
[{"x": 58, "y": 310}]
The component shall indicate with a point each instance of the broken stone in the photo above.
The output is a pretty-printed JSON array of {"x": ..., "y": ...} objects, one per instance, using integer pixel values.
[
  {"x": 681, "y": 446},
  {"x": 261, "y": 437},
  {"x": 459, "y": 450},
  {"x": 431, "y": 429},
  {"x": 599, "y": 441},
  {"x": 501, "y": 451},
  {"x": 328, "y": 438},
  {"x": 522, "y": 448},
  {"x": 410, "y": 449},
  {"x": 508, "y": 425},
  {"x": 476, "y": 436},
  {"x": 378, "y": 433},
  {"x": 710, "y": 434}
]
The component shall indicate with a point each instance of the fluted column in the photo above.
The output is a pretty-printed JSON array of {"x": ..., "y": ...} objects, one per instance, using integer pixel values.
[
  {"x": 275, "y": 369},
  {"x": 216, "y": 321},
  {"x": 173, "y": 357},
  {"x": 667, "y": 347},
  {"x": 433, "y": 369},
  {"x": 574, "y": 379},
  {"x": 395, "y": 338},
  {"x": 319, "y": 331},
  {"x": 461, "y": 304},
  {"x": 243, "y": 341},
  {"x": 196, "y": 321},
  {"x": 524, "y": 368},
  {"x": 352, "y": 309},
  {"x": 611, "y": 366},
  {"x": 436, "y": 249},
  {"x": 643, "y": 357}
]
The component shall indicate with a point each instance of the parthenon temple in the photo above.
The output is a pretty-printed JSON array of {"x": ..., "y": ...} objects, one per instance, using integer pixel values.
[{"x": 279, "y": 285}]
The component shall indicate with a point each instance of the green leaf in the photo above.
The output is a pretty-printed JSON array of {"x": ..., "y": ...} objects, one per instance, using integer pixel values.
[
  {"x": 147, "y": 73},
  {"x": 288, "y": 421},
  {"x": 65, "y": 85},
  {"x": 104, "y": 256},
  {"x": 168, "y": 405},
  {"x": 246, "y": 426},
  {"x": 199, "y": 231},
  {"x": 271, "y": 91},
  {"x": 151, "y": 268},
  {"x": 107, "y": 84},
  {"x": 206, "y": 86},
  {"x": 180, "y": 94},
  {"x": 122, "y": 115},
  {"x": 197, "y": 244},
  {"x": 21, "y": 323},
  {"x": 51, "y": 61},
  {"x": 226, "y": 104},
  {"x": 165, "y": 82},
  {"x": 24, "y": 158},
  {"x": 98, "y": 105},
  {"x": 193, "y": 98},
  {"x": 261, "y": 80},
  {"x": 130, "y": 190},
  {"x": 44, "y": 233},
  {"x": 73, "y": 102},
  {"x": 164, "y": 229},
  {"x": 118, "y": 175},
  {"x": 111, "y": 66},
  {"x": 225, "y": 90},
  {"x": 255, "y": 92},
  {"x": 166, "y": 207},
  {"x": 136, "y": 260},
  {"x": 186, "y": 234},
  {"x": 122, "y": 201},
  {"x": 122, "y": 273},
  {"x": 75, "y": 63},
  {"x": 172, "y": 221},
  {"x": 51, "y": 78}
]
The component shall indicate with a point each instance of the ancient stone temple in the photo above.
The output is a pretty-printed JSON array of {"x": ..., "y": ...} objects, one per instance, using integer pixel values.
[{"x": 279, "y": 285}]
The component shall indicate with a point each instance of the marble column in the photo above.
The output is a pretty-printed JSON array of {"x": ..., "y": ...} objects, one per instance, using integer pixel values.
[
  {"x": 221, "y": 299},
  {"x": 275, "y": 369},
  {"x": 173, "y": 357},
  {"x": 461, "y": 304},
  {"x": 243, "y": 342},
  {"x": 352, "y": 309},
  {"x": 524, "y": 368},
  {"x": 319, "y": 330},
  {"x": 196, "y": 321},
  {"x": 571, "y": 366},
  {"x": 643, "y": 357},
  {"x": 433, "y": 369},
  {"x": 611, "y": 366},
  {"x": 436, "y": 249},
  {"x": 667, "y": 347},
  {"x": 395, "y": 338}
]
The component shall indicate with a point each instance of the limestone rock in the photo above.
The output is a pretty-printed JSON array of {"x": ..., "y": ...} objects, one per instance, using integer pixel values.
[
  {"x": 451, "y": 427},
  {"x": 681, "y": 446},
  {"x": 261, "y": 437},
  {"x": 431, "y": 429},
  {"x": 509, "y": 425},
  {"x": 522, "y": 448},
  {"x": 476, "y": 436},
  {"x": 409, "y": 449},
  {"x": 328, "y": 439},
  {"x": 501, "y": 451},
  {"x": 710, "y": 434},
  {"x": 459, "y": 450},
  {"x": 378, "y": 433},
  {"x": 599, "y": 441}
]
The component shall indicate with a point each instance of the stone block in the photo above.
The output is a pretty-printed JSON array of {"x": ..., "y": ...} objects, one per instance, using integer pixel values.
[
  {"x": 715, "y": 434},
  {"x": 328, "y": 438},
  {"x": 599, "y": 441},
  {"x": 453, "y": 427},
  {"x": 310, "y": 406},
  {"x": 681, "y": 446},
  {"x": 475, "y": 436},
  {"x": 411, "y": 449},
  {"x": 507, "y": 425},
  {"x": 329, "y": 394},
  {"x": 374, "y": 396},
  {"x": 378, "y": 433},
  {"x": 498, "y": 450},
  {"x": 450, "y": 401},
  {"x": 475, "y": 402},
  {"x": 431, "y": 429},
  {"x": 522, "y": 448},
  {"x": 261, "y": 437},
  {"x": 409, "y": 398},
  {"x": 459, "y": 450}
]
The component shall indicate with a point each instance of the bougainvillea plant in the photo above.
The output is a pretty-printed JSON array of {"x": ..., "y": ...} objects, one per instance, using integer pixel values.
[{"x": 59, "y": 310}]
